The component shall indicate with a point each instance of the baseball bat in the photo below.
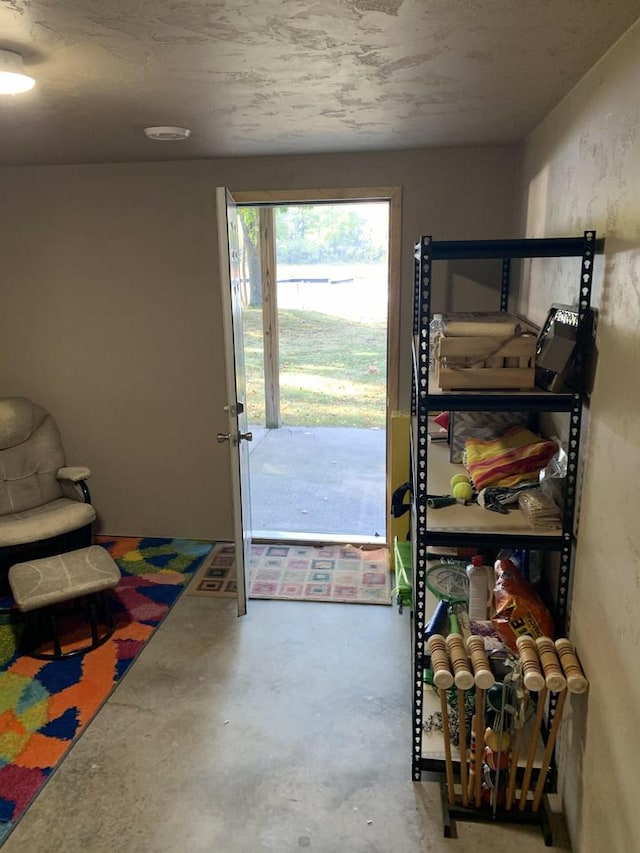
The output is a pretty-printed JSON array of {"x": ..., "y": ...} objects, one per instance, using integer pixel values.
[
  {"x": 443, "y": 680},
  {"x": 576, "y": 683},
  {"x": 463, "y": 678}
]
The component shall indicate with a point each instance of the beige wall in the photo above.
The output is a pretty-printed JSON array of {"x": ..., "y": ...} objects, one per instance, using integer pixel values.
[
  {"x": 582, "y": 170},
  {"x": 111, "y": 308}
]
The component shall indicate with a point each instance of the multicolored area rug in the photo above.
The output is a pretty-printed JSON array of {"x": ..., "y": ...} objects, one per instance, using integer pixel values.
[
  {"x": 339, "y": 573},
  {"x": 45, "y": 705}
]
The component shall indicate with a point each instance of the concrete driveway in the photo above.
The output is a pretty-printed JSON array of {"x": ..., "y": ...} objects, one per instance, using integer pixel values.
[{"x": 318, "y": 480}]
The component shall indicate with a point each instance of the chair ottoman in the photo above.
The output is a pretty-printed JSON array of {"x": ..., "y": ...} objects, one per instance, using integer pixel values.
[{"x": 81, "y": 577}]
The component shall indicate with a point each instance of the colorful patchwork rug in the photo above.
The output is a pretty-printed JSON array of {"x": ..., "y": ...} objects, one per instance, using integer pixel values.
[
  {"x": 339, "y": 573},
  {"x": 45, "y": 705}
]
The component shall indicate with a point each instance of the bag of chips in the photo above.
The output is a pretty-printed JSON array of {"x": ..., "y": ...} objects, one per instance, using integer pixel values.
[{"x": 519, "y": 610}]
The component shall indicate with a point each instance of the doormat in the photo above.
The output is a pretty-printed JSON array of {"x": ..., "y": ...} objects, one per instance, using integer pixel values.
[
  {"x": 46, "y": 705},
  {"x": 217, "y": 574},
  {"x": 338, "y": 573}
]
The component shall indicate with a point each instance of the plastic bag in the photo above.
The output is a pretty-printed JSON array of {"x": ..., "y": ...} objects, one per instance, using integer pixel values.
[
  {"x": 436, "y": 329},
  {"x": 553, "y": 475},
  {"x": 519, "y": 610},
  {"x": 437, "y": 324}
]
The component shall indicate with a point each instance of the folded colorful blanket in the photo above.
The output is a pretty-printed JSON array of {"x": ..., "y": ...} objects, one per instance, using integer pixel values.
[{"x": 517, "y": 456}]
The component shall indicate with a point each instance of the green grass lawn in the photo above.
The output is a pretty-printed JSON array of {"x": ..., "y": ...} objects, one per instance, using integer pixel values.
[{"x": 332, "y": 370}]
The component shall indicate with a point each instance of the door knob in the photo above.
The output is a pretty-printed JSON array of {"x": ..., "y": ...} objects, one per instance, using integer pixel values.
[
  {"x": 223, "y": 436},
  {"x": 247, "y": 436}
]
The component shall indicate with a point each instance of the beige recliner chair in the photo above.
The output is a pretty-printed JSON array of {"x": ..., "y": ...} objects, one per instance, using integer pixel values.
[{"x": 45, "y": 506}]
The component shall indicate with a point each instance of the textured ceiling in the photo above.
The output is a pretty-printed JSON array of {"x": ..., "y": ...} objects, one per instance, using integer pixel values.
[{"x": 253, "y": 77}]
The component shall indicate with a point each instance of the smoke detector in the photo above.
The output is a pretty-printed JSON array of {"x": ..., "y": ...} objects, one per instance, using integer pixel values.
[{"x": 167, "y": 134}]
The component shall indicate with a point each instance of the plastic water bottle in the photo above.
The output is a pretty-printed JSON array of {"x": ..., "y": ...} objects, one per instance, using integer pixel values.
[{"x": 478, "y": 590}]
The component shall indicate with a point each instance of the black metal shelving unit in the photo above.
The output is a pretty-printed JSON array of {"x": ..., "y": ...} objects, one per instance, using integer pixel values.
[{"x": 426, "y": 399}]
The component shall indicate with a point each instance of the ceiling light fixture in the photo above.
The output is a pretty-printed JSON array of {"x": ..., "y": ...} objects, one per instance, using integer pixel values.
[
  {"x": 167, "y": 134},
  {"x": 13, "y": 80}
]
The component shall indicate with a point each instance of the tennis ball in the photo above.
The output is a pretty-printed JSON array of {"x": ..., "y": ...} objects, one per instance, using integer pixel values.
[
  {"x": 458, "y": 478},
  {"x": 463, "y": 491}
]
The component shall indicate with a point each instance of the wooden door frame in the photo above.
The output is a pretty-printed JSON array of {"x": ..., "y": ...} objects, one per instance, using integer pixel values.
[
  {"x": 270, "y": 328},
  {"x": 393, "y": 195}
]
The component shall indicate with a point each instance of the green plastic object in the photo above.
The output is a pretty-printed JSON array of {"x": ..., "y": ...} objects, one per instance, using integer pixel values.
[{"x": 403, "y": 590}]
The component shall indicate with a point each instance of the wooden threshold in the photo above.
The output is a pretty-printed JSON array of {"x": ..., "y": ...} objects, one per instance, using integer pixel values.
[{"x": 275, "y": 536}]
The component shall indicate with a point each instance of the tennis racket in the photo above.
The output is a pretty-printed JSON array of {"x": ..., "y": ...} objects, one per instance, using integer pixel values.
[{"x": 450, "y": 585}]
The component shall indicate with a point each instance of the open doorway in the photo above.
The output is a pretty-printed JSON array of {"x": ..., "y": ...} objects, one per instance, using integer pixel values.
[{"x": 317, "y": 344}]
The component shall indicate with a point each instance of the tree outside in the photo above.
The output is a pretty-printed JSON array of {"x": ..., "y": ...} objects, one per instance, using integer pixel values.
[
  {"x": 332, "y": 298},
  {"x": 351, "y": 232}
]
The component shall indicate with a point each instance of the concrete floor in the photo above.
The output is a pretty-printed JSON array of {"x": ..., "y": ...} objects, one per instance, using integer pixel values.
[
  {"x": 318, "y": 480},
  {"x": 284, "y": 730}
]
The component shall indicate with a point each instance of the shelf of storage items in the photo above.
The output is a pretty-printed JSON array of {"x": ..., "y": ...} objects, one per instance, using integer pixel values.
[
  {"x": 433, "y": 742},
  {"x": 431, "y": 470},
  {"x": 457, "y": 524},
  {"x": 432, "y": 761}
]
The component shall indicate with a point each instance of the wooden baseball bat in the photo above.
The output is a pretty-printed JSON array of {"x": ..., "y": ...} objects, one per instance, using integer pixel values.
[
  {"x": 484, "y": 679},
  {"x": 513, "y": 769},
  {"x": 463, "y": 678},
  {"x": 462, "y": 674},
  {"x": 437, "y": 648},
  {"x": 556, "y": 683},
  {"x": 533, "y": 678},
  {"x": 446, "y": 734},
  {"x": 576, "y": 683},
  {"x": 479, "y": 719},
  {"x": 483, "y": 676},
  {"x": 548, "y": 752},
  {"x": 471, "y": 781},
  {"x": 443, "y": 680},
  {"x": 553, "y": 677},
  {"x": 533, "y": 681},
  {"x": 533, "y": 743},
  {"x": 462, "y": 728}
]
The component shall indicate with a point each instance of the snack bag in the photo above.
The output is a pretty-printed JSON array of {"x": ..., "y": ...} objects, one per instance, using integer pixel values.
[{"x": 519, "y": 609}]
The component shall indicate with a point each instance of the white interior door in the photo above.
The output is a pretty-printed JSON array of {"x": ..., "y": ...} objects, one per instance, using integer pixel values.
[{"x": 237, "y": 435}]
